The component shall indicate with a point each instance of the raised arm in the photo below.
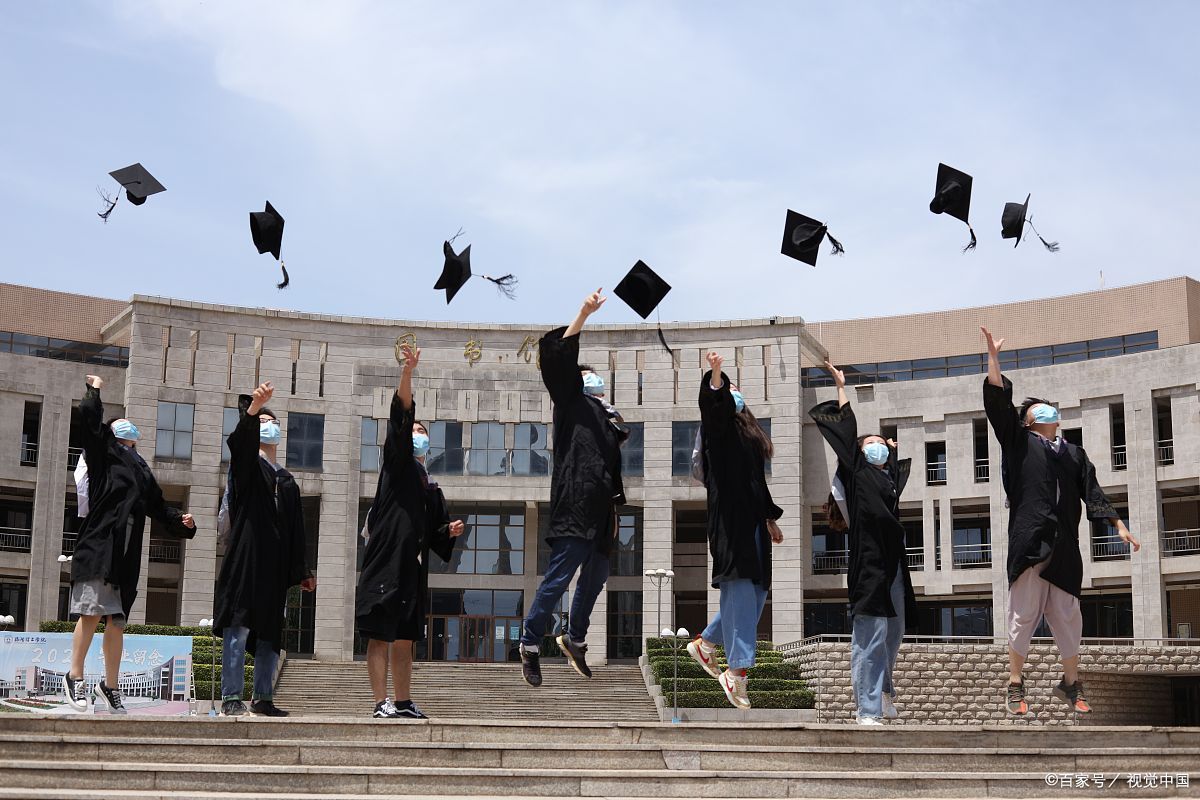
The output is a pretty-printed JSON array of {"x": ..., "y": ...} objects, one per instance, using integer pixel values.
[
  {"x": 558, "y": 352},
  {"x": 591, "y": 304},
  {"x": 244, "y": 441},
  {"x": 837, "y": 423},
  {"x": 96, "y": 435},
  {"x": 717, "y": 407},
  {"x": 997, "y": 397},
  {"x": 993, "y": 346},
  {"x": 398, "y": 444}
]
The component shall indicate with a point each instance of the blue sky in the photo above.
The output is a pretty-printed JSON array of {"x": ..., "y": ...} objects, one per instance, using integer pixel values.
[{"x": 571, "y": 139}]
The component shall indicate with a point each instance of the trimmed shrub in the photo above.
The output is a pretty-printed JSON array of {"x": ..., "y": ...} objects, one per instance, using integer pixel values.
[
  {"x": 755, "y": 685},
  {"x": 60, "y": 626},
  {"x": 717, "y": 699},
  {"x": 690, "y": 669}
]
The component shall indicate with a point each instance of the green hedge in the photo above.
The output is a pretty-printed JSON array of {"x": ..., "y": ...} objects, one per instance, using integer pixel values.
[
  {"x": 203, "y": 691},
  {"x": 59, "y": 626},
  {"x": 754, "y": 685},
  {"x": 690, "y": 669},
  {"x": 203, "y": 672},
  {"x": 717, "y": 699},
  {"x": 659, "y": 643}
]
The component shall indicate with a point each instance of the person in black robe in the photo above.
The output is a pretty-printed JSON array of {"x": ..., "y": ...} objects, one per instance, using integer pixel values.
[
  {"x": 741, "y": 528},
  {"x": 880, "y": 587},
  {"x": 107, "y": 561},
  {"x": 1047, "y": 479},
  {"x": 407, "y": 520},
  {"x": 265, "y": 556},
  {"x": 585, "y": 490}
]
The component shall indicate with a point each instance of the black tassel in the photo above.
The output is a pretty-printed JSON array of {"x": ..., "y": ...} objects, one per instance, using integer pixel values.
[
  {"x": 286, "y": 279},
  {"x": 973, "y": 242},
  {"x": 112, "y": 201},
  {"x": 663, "y": 339},
  {"x": 1051, "y": 246},
  {"x": 505, "y": 284},
  {"x": 837, "y": 246}
]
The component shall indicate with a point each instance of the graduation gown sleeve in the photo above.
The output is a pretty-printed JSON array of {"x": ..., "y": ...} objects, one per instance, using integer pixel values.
[
  {"x": 839, "y": 426},
  {"x": 1094, "y": 500},
  {"x": 560, "y": 365},
  {"x": 1001, "y": 414}
]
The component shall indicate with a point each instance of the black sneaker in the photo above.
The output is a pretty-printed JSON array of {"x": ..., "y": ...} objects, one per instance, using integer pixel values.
[
  {"x": 576, "y": 655},
  {"x": 1016, "y": 698},
  {"x": 77, "y": 693},
  {"x": 233, "y": 708},
  {"x": 111, "y": 696},
  {"x": 385, "y": 710},
  {"x": 1072, "y": 695},
  {"x": 265, "y": 708},
  {"x": 531, "y": 668},
  {"x": 408, "y": 709}
]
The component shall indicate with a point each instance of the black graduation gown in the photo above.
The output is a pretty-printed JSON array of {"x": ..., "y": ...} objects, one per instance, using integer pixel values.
[
  {"x": 407, "y": 520},
  {"x": 265, "y": 556},
  {"x": 586, "y": 482},
  {"x": 739, "y": 500},
  {"x": 122, "y": 492},
  {"x": 1045, "y": 490},
  {"x": 875, "y": 535}
]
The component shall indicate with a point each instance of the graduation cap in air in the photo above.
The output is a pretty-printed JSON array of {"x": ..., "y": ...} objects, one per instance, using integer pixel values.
[
  {"x": 802, "y": 237},
  {"x": 456, "y": 271},
  {"x": 952, "y": 195},
  {"x": 1013, "y": 221},
  {"x": 642, "y": 290},
  {"x": 138, "y": 184},
  {"x": 266, "y": 228}
]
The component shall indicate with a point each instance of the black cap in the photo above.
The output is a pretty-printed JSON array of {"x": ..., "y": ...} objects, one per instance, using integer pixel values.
[
  {"x": 456, "y": 271},
  {"x": 266, "y": 228},
  {"x": 952, "y": 195},
  {"x": 802, "y": 237},
  {"x": 139, "y": 184},
  {"x": 642, "y": 289},
  {"x": 1012, "y": 224}
]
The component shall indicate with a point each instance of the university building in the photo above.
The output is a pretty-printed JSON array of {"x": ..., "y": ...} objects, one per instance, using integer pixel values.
[{"x": 1122, "y": 365}]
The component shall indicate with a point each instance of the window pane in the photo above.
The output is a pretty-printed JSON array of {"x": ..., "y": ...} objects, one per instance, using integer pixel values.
[
  {"x": 183, "y": 416},
  {"x": 507, "y": 604},
  {"x": 164, "y": 444},
  {"x": 183, "y": 444},
  {"x": 477, "y": 602},
  {"x": 683, "y": 438},
  {"x": 633, "y": 451},
  {"x": 369, "y": 458},
  {"x": 166, "y": 416}
]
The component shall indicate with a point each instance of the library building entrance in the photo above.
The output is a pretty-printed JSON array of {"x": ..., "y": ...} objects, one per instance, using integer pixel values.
[{"x": 474, "y": 625}]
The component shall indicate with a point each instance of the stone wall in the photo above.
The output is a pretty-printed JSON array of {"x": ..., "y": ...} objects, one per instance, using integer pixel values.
[{"x": 963, "y": 683}]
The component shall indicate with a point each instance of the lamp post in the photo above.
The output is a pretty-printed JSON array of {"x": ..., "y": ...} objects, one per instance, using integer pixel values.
[
  {"x": 660, "y": 577},
  {"x": 676, "y": 637},
  {"x": 212, "y": 677},
  {"x": 7, "y": 621}
]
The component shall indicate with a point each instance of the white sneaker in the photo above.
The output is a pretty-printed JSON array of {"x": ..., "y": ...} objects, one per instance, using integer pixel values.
[
  {"x": 705, "y": 657},
  {"x": 76, "y": 692},
  {"x": 735, "y": 689},
  {"x": 869, "y": 721},
  {"x": 889, "y": 707}
]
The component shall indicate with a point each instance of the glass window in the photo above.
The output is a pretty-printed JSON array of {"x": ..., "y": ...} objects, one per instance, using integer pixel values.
[
  {"x": 229, "y": 421},
  {"x": 683, "y": 439},
  {"x": 766, "y": 426},
  {"x": 691, "y": 526},
  {"x": 624, "y": 624},
  {"x": 1140, "y": 342},
  {"x": 628, "y": 557},
  {"x": 173, "y": 435},
  {"x": 858, "y": 374},
  {"x": 446, "y": 455},
  {"x": 369, "y": 449},
  {"x": 492, "y": 544},
  {"x": 530, "y": 454},
  {"x": 633, "y": 452},
  {"x": 488, "y": 456},
  {"x": 305, "y": 440}
]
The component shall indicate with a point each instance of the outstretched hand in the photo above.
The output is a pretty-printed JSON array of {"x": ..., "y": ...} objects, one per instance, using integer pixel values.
[
  {"x": 839, "y": 377},
  {"x": 262, "y": 395},
  {"x": 411, "y": 356},
  {"x": 993, "y": 345},
  {"x": 715, "y": 362},
  {"x": 592, "y": 303},
  {"x": 95, "y": 381}
]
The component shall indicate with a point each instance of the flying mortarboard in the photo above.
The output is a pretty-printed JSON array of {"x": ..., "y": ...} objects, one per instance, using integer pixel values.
[
  {"x": 802, "y": 237},
  {"x": 266, "y": 228},
  {"x": 456, "y": 271},
  {"x": 952, "y": 195},
  {"x": 138, "y": 184},
  {"x": 642, "y": 290},
  {"x": 1013, "y": 220}
]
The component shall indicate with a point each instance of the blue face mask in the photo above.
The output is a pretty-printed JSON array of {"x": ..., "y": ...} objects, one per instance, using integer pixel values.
[
  {"x": 124, "y": 429},
  {"x": 420, "y": 445},
  {"x": 739, "y": 402},
  {"x": 1045, "y": 414},
  {"x": 268, "y": 432},
  {"x": 876, "y": 453},
  {"x": 593, "y": 384}
]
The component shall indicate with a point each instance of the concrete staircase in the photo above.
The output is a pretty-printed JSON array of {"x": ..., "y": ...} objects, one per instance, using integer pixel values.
[
  {"x": 471, "y": 691},
  {"x": 96, "y": 757}
]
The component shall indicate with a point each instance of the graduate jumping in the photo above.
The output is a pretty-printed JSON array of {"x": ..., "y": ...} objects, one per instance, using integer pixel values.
[
  {"x": 1047, "y": 480},
  {"x": 407, "y": 520}
]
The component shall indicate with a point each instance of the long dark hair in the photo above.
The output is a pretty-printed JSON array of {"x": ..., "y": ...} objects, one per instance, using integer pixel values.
[
  {"x": 749, "y": 428},
  {"x": 833, "y": 513}
]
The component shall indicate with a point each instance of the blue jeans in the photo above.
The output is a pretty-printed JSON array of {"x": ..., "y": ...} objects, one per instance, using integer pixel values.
[
  {"x": 874, "y": 645},
  {"x": 568, "y": 554},
  {"x": 233, "y": 666},
  {"x": 735, "y": 625}
]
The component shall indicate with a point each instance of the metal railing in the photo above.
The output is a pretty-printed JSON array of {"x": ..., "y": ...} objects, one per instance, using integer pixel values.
[
  {"x": 165, "y": 552},
  {"x": 983, "y": 470},
  {"x": 1119, "y": 459},
  {"x": 973, "y": 556},
  {"x": 915, "y": 557},
  {"x": 1109, "y": 547},
  {"x": 1165, "y": 452},
  {"x": 16, "y": 540},
  {"x": 73, "y": 454},
  {"x": 1181, "y": 542},
  {"x": 935, "y": 475},
  {"x": 68, "y": 543},
  {"x": 29, "y": 454},
  {"x": 831, "y": 562}
]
